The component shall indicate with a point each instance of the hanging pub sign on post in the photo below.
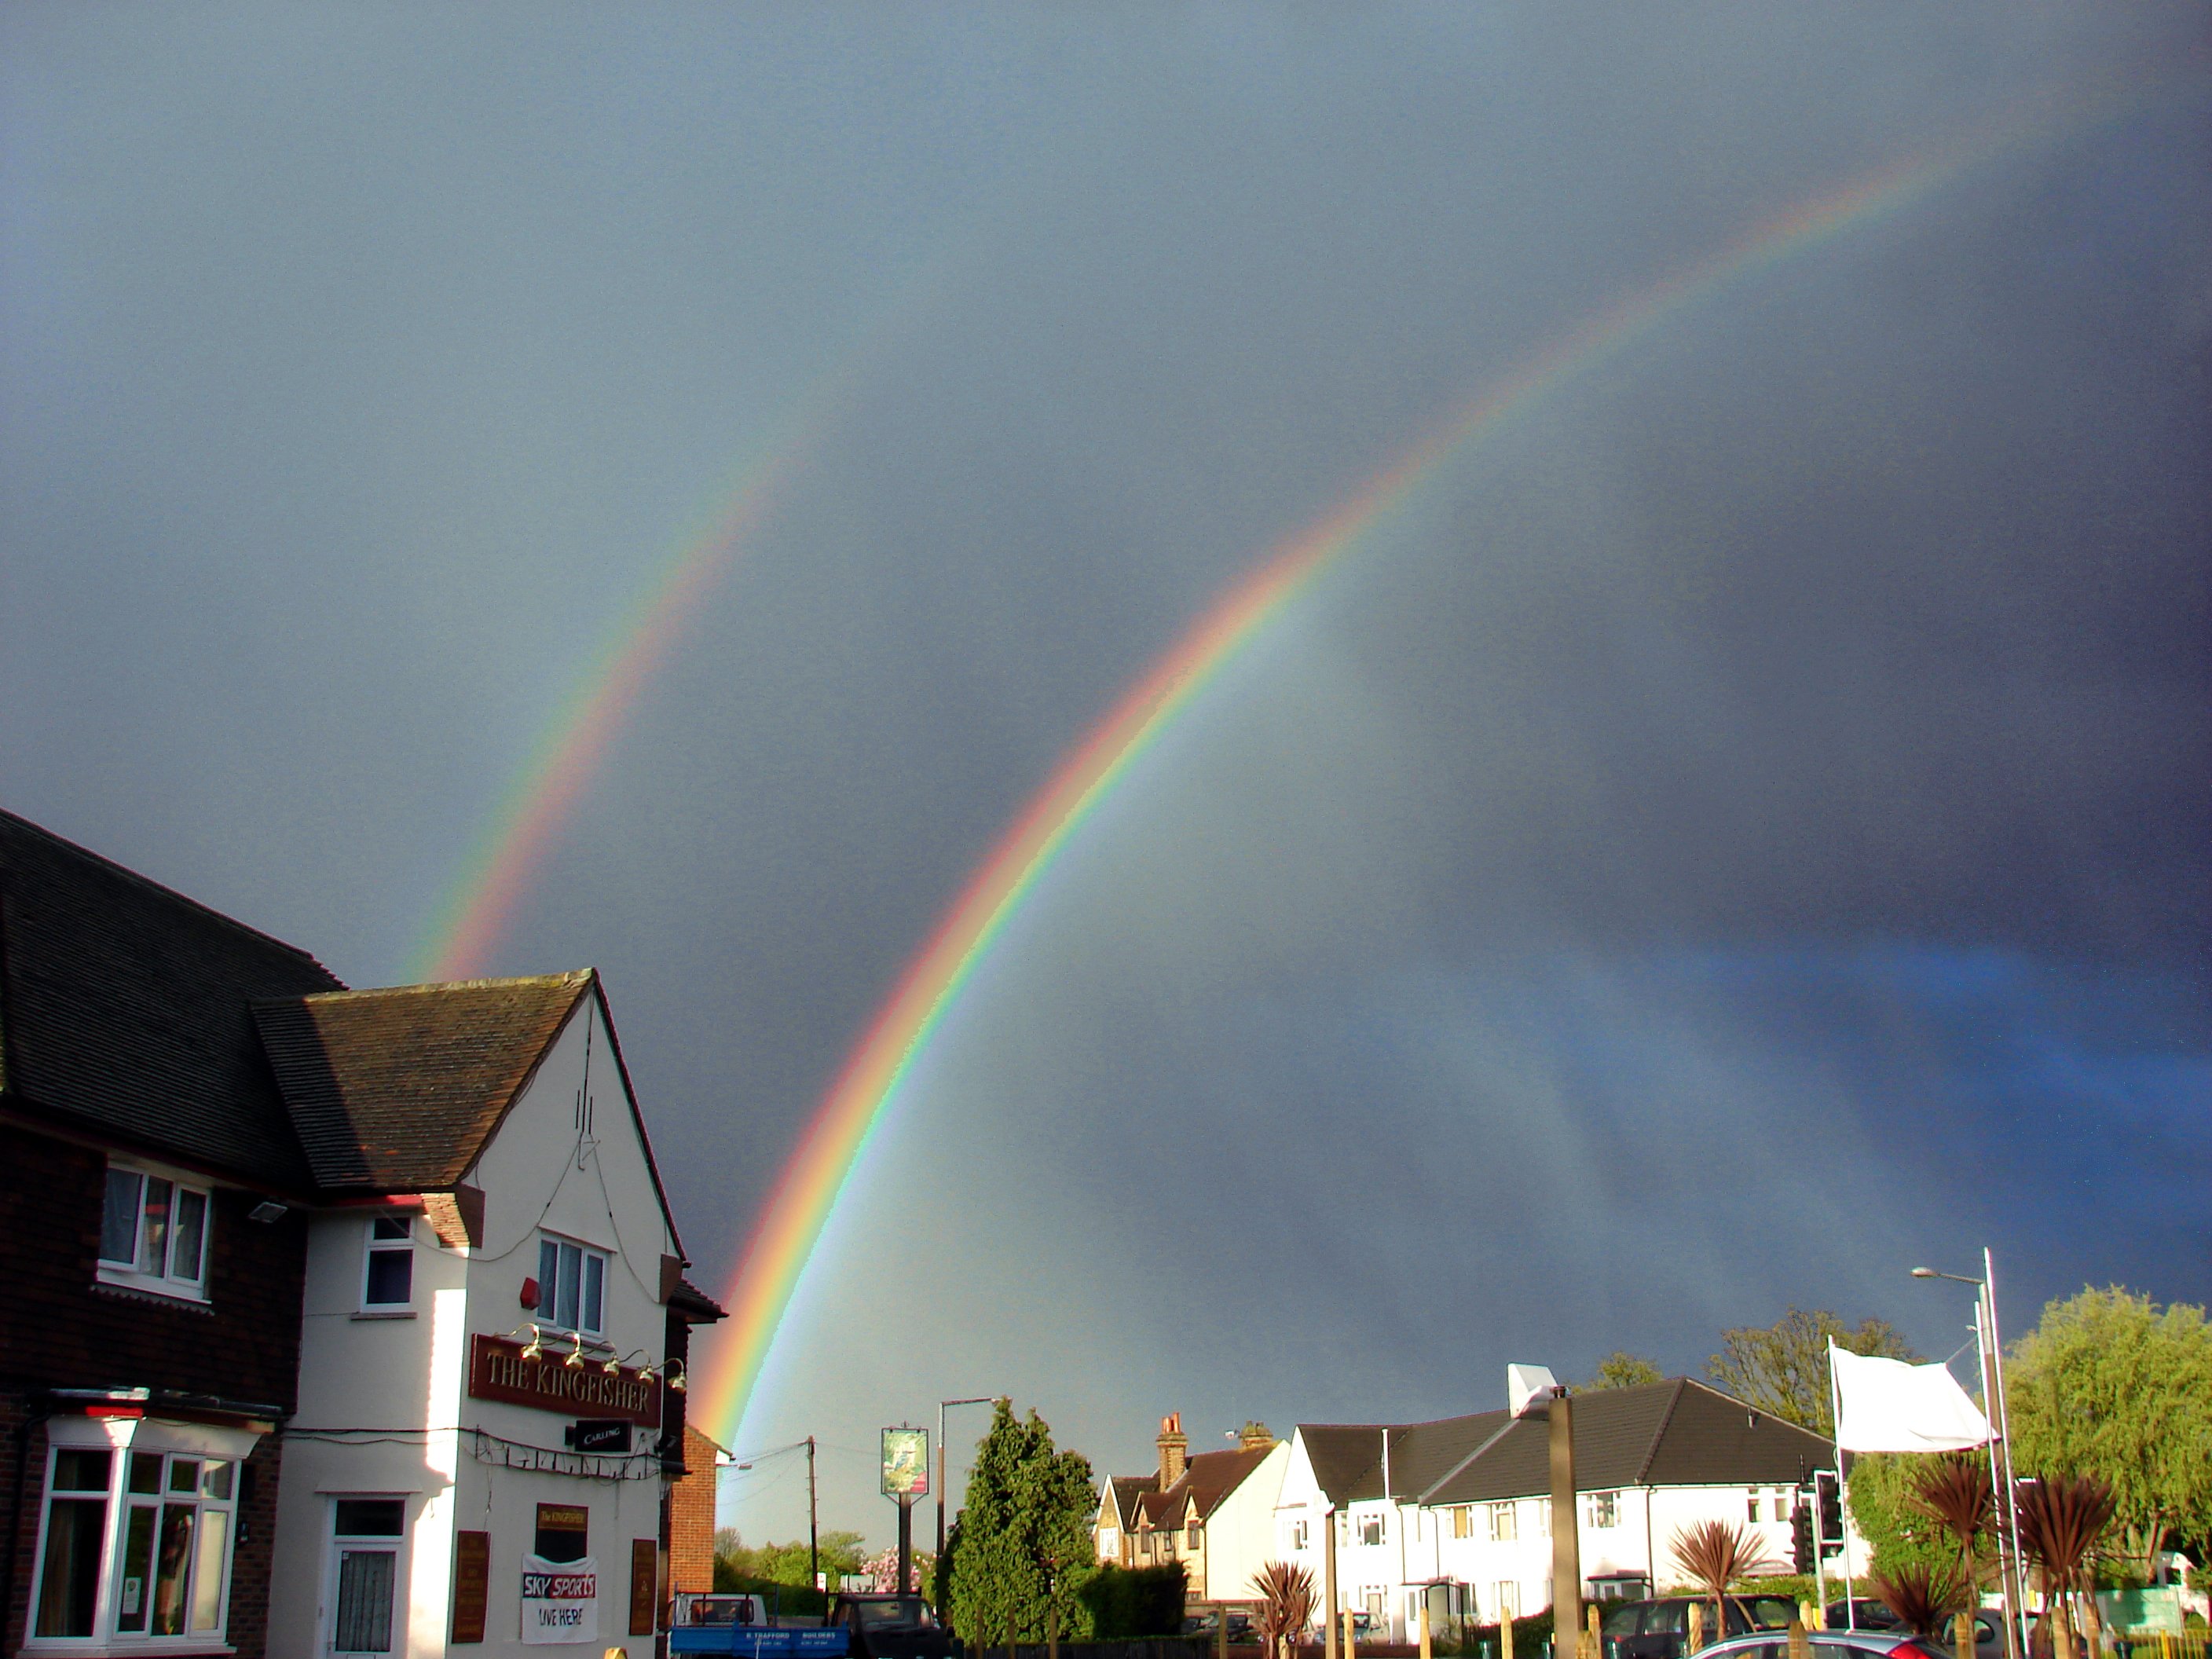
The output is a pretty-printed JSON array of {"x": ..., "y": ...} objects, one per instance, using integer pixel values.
[{"x": 905, "y": 1478}]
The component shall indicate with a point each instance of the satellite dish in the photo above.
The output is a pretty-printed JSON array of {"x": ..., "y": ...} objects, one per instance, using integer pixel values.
[{"x": 1527, "y": 1387}]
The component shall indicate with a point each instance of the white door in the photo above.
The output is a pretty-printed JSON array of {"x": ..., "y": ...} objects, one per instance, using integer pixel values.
[{"x": 365, "y": 1536}]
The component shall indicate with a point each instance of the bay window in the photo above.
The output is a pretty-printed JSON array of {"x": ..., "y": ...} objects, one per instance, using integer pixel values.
[
  {"x": 154, "y": 1233},
  {"x": 135, "y": 1536}
]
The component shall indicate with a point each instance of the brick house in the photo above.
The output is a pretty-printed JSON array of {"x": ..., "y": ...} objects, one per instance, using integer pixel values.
[
  {"x": 1214, "y": 1512},
  {"x": 150, "y": 1341}
]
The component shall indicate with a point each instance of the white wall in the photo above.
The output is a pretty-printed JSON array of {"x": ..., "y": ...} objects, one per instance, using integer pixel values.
[
  {"x": 1240, "y": 1535},
  {"x": 359, "y": 1373}
]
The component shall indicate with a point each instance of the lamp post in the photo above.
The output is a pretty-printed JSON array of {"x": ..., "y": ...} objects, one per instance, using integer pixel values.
[
  {"x": 942, "y": 1405},
  {"x": 1991, "y": 1353},
  {"x": 813, "y": 1512}
]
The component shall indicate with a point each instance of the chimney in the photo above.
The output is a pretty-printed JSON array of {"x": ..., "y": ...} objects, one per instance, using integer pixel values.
[
  {"x": 1254, "y": 1436},
  {"x": 1173, "y": 1446}
]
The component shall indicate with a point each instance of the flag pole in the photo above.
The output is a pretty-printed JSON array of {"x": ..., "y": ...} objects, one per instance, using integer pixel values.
[{"x": 1842, "y": 1493}]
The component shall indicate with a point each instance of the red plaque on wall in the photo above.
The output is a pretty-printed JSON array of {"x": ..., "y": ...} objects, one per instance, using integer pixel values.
[
  {"x": 644, "y": 1585},
  {"x": 471, "y": 1584}
]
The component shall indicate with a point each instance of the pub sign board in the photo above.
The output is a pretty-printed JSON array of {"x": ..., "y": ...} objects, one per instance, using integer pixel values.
[{"x": 497, "y": 1371}]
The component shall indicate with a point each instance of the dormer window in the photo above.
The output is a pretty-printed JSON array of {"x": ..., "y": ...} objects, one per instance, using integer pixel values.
[
  {"x": 154, "y": 1233},
  {"x": 387, "y": 1281},
  {"x": 572, "y": 1284}
]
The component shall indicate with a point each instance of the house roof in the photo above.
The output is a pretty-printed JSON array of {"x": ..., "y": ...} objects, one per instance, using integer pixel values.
[
  {"x": 399, "y": 1089},
  {"x": 123, "y": 1012},
  {"x": 1207, "y": 1479},
  {"x": 1680, "y": 1432},
  {"x": 1676, "y": 1433},
  {"x": 696, "y": 1307},
  {"x": 1123, "y": 1491}
]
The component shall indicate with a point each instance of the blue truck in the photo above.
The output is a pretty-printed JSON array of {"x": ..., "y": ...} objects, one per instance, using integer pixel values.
[{"x": 744, "y": 1628}]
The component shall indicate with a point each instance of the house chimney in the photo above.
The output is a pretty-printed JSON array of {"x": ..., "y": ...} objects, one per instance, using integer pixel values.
[
  {"x": 1173, "y": 1448},
  {"x": 1255, "y": 1437}
]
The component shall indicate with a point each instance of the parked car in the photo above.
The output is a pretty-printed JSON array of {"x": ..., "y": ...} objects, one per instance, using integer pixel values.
[
  {"x": 1861, "y": 1644},
  {"x": 1660, "y": 1628},
  {"x": 1240, "y": 1633},
  {"x": 891, "y": 1627},
  {"x": 1868, "y": 1614}
]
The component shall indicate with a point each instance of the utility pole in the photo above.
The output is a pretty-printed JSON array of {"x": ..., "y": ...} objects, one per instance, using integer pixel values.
[
  {"x": 814, "y": 1522},
  {"x": 978, "y": 1399}
]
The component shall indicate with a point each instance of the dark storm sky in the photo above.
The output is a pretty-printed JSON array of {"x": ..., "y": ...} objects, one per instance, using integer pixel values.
[{"x": 1737, "y": 834}]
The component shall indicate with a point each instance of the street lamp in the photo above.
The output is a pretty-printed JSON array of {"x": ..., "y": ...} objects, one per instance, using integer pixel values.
[
  {"x": 1990, "y": 1352},
  {"x": 813, "y": 1514},
  {"x": 973, "y": 1400}
]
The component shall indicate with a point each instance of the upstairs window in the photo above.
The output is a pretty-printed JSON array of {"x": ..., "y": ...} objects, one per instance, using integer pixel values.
[
  {"x": 154, "y": 1233},
  {"x": 1504, "y": 1523},
  {"x": 1299, "y": 1534},
  {"x": 1603, "y": 1509},
  {"x": 572, "y": 1286},
  {"x": 1462, "y": 1522},
  {"x": 388, "y": 1275},
  {"x": 1370, "y": 1529}
]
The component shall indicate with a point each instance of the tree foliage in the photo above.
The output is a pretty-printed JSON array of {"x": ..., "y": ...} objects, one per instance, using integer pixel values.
[
  {"x": 1902, "y": 1538},
  {"x": 2111, "y": 1386},
  {"x": 1623, "y": 1370},
  {"x": 1783, "y": 1368},
  {"x": 740, "y": 1565},
  {"x": 1713, "y": 1556},
  {"x": 1286, "y": 1599},
  {"x": 1021, "y": 1547}
]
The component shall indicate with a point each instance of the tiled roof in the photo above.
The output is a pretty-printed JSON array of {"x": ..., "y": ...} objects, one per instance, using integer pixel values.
[
  {"x": 1675, "y": 1433},
  {"x": 1209, "y": 1477},
  {"x": 696, "y": 1306},
  {"x": 1668, "y": 1434},
  {"x": 124, "y": 1010},
  {"x": 396, "y": 1091},
  {"x": 1125, "y": 1489}
]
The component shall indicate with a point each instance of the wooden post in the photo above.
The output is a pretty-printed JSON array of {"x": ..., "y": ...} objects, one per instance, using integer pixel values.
[
  {"x": 1566, "y": 1531},
  {"x": 1962, "y": 1635},
  {"x": 1220, "y": 1633},
  {"x": 1328, "y": 1585},
  {"x": 1697, "y": 1627},
  {"x": 1800, "y": 1644},
  {"x": 1427, "y": 1651},
  {"x": 1350, "y": 1638},
  {"x": 1052, "y": 1630},
  {"x": 1593, "y": 1637},
  {"x": 1504, "y": 1633}
]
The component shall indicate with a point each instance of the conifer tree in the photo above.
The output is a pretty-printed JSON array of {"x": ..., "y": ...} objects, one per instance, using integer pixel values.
[{"x": 1021, "y": 1547}]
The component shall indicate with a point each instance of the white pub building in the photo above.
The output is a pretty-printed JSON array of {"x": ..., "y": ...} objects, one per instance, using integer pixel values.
[{"x": 475, "y": 1463}]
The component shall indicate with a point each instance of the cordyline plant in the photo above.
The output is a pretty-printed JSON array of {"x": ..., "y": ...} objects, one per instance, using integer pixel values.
[
  {"x": 1953, "y": 1489},
  {"x": 1714, "y": 1555},
  {"x": 1924, "y": 1597},
  {"x": 2063, "y": 1520},
  {"x": 1286, "y": 1594}
]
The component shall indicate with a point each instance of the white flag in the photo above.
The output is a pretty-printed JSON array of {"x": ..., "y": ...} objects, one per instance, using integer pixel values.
[{"x": 1888, "y": 1406}]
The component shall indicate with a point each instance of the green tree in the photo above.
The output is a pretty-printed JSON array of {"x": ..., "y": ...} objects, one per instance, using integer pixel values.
[
  {"x": 2111, "y": 1386},
  {"x": 1021, "y": 1547},
  {"x": 1783, "y": 1368},
  {"x": 1623, "y": 1370},
  {"x": 1901, "y": 1537}
]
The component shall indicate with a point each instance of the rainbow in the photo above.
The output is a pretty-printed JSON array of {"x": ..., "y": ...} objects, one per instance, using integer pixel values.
[{"x": 830, "y": 1149}]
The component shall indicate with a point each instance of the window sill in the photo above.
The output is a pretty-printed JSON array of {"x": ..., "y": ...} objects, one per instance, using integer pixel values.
[
  {"x": 382, "y": 1313},
  {"x": 133, "y": 1288}
]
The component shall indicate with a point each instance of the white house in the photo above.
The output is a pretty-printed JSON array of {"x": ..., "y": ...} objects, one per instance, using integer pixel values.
[
  {"x": 1214, "y": 1512},
  {"x": 477, "y": 1459},
  {"x": 1458, "y": 1510}
]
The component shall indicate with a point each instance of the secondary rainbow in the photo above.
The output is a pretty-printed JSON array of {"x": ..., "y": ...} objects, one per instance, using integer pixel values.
[{"x": 829, "y": 1150}]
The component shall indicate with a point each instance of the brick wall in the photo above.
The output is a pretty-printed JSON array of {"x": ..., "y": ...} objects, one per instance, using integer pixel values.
[
  {"x": 58, "y": 1330},
  {"x": 691, "y": 1517}
]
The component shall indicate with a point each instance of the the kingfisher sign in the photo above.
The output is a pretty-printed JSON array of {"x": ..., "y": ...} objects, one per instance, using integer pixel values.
[{"x": 497, "y": 1371}]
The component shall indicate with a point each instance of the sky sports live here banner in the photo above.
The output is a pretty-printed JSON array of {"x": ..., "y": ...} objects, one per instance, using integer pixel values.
[{"x": 560, "y": 1600}]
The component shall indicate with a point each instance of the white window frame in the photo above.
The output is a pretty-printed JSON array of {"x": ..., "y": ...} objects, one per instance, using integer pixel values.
[
  {"x": 1299, "y": 1534},
  {"x": 372, "y": 1247},
  {"x": 1602, "y": 1510},
  {"x": 1504, "y": 1522},
  {"x": 169, "y": 1445},
  {"x": 549, "y": 1285},
  {"x": 1374, "y": 1525},
  {"x": 162, "y": 1279},
  {"x": 334, "y": 1543}
]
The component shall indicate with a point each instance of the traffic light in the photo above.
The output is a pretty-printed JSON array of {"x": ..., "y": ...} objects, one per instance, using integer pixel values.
[
  {"x": 1828, "y": 1490},
  {"x": 1800, "y": 1534}
]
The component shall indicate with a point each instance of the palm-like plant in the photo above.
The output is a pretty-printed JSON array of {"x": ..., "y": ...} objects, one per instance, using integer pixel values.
[
  {"x": 1921, "y": 1596},
  {"x": 1714, "y": 1555},
  {"x": 1955, "y": 1491},
  {"x": 2063, "y": 1519},
  {"x": 1285, "y": 1604}
]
